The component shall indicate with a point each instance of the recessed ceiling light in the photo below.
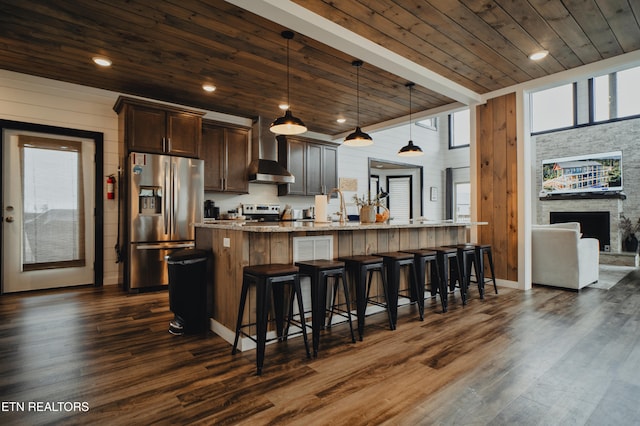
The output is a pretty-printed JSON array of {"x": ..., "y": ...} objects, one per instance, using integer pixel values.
[
  {"x": 536, "y": 56},
  {"x": 209, "y": 87},
  {"x": 341, "y": 120},
  {"x": 102, "y": 61},
  {"x": 283, "y": 107}
]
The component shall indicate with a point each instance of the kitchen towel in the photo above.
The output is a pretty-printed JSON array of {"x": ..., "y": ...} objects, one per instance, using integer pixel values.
[{"x": 321, "y": 208}]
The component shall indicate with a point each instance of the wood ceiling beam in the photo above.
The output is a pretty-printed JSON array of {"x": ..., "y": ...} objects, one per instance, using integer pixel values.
[{"x": 305, "y": 22}]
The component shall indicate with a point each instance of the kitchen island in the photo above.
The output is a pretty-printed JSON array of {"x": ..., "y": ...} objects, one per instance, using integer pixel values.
[{"x": 235, "y": 244}]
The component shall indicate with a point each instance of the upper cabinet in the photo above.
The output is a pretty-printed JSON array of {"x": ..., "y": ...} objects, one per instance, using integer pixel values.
[
  {"x": 313, "y": 163},
  {"x": 225, "y": 151},
  {"x": 154, "y": 128}
]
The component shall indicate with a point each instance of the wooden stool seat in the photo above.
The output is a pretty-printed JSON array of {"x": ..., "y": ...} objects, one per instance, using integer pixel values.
[
  {"x": 361, "y": 259},
  {"x": 271, "y": 269}
]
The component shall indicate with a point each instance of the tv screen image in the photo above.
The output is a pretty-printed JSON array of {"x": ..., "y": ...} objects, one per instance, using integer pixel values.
[{"x": 583, "y": 173}]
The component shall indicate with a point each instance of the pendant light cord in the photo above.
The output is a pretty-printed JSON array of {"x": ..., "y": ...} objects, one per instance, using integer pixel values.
[
  {"x": 288, "y": 79},
  {"x": 358, "y": 95},
  {"x": 410, "y": 133}
]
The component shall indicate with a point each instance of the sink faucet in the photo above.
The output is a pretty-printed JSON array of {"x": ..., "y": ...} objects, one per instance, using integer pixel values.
[{"x": 343, "y": 210}]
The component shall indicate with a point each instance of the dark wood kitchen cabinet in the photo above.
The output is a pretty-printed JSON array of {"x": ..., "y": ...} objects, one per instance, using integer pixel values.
[
  {"x": 159, "y": 129},
  {"x": 313, "y": 163},
  {"x": 293, "y": 160},
  {"x": 225, "y": 151}
]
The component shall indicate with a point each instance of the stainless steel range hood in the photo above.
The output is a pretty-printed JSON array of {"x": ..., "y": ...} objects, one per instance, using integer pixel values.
[{"x": 264, "y": 167}]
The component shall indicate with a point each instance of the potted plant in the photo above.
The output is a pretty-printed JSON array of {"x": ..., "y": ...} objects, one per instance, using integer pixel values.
[
  {"x": 628, "y": 233},
  {"x": 369, "y": 207}
]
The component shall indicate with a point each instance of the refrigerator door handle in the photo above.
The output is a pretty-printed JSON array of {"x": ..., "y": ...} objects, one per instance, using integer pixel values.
[
  {"x": 159, "y": 246},
  {"x": 165, "y": 197},
  {"x": 174, "y": 193}
]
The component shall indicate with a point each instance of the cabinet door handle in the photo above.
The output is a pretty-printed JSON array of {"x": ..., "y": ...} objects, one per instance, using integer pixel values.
[
  {"x": 164, "y": 144},
  {"x": 168, "y": 148}
]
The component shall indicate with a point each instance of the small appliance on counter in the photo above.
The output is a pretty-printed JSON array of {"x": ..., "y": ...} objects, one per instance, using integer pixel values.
[
  {"x": 309, "y": 213},
  {"x": 210, "y": 210}
]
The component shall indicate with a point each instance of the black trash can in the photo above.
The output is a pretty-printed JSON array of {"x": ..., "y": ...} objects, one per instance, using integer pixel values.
[{"x": 188, "y": 291}]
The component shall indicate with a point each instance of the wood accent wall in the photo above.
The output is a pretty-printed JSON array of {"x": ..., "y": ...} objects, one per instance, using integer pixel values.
[{"x": 497, "y": 180}]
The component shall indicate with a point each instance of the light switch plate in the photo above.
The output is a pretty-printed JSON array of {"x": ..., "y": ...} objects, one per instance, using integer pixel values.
[{"x": 226, "y": 242}]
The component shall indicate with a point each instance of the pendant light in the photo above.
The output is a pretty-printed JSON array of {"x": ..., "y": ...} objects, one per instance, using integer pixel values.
[
  {"x": 410, "y": 150},
  {"x": 288, "y": 124},
  {"x": 358, "y": 137}
]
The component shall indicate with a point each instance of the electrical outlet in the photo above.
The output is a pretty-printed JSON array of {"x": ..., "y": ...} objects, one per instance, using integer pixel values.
[{"x": 226, "y": 242}]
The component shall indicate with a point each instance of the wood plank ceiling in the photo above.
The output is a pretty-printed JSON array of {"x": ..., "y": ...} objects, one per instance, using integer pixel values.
[{"x": 166, "y": 50}]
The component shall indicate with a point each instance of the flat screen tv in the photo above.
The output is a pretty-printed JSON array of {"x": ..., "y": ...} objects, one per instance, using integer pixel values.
[{"x": 583, "y": 173}]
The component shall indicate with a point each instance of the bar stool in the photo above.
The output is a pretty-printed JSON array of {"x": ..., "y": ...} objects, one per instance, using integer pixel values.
[
  {"x": 467, "y": 256},
  {"x": 362, "y": 267},
  {"x": 421, "y": 258},
  {"x": 445, "y": 257},
  {"x": 269, "y": 278},
  {"x": 319, "y": 271},
  {"x": 393, "y": 262},
  {"x": 483, "y": 250}
]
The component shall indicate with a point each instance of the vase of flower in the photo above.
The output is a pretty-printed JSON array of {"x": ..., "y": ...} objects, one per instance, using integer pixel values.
[
  {"x": 369, "y": 206},
  {"x": 368, "y": 214}
]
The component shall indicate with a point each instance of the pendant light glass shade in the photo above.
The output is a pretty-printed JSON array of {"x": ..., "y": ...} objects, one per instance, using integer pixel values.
[
  {"x": 288, "y": 124},
  {"x": 410, "y": 150},
  {"x": 358, "y": 137}
]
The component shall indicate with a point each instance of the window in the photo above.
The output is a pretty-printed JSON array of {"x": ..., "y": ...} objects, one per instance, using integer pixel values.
[
  {"x": 53, "y": 207},
  {"x": 628, "y": 92},
  {"x": 462, "y": 199},
  {"x": 615, "y": 95},
  {"x": 553, "y": 108},
  {"x": 459, "y": 129},
  {"x": 400, "y": 198},
  {"x": 601, "y": 99},
  {"x": 428, "y": 123}
]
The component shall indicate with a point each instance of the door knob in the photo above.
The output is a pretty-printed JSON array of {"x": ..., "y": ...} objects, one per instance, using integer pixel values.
[{"x": 9, "y": 219}]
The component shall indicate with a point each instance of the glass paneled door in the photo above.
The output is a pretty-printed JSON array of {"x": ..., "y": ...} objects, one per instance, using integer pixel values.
[{"x": 48, "y": 227}]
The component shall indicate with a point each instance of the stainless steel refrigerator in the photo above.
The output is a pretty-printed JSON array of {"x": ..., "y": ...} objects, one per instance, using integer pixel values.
[{"x": 165, "y": 199}]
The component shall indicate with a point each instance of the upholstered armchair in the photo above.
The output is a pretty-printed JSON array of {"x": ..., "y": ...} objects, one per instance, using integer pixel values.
[{"x": 562, "y": 258}]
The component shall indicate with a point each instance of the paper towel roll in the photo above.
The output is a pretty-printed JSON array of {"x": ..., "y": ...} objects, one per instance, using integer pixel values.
[{"x": 321, "y": 208}]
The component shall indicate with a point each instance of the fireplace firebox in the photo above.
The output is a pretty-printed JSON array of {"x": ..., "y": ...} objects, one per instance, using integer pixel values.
[{"x": 593, "y": 225}]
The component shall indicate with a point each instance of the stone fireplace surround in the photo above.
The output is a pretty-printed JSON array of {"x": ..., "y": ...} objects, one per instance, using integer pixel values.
[
  {"x": 600, "y": 204},
  {"x": 593, "y": 225}
]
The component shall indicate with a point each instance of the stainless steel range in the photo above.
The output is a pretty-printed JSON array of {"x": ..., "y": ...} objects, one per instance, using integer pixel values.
[{"x": 261, "y": 212}]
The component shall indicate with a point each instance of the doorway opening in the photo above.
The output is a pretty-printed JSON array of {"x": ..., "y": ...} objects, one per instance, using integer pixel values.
[{"x": 406, "y": 181}]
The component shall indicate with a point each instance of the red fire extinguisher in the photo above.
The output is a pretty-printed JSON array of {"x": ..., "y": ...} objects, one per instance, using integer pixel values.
[{"x": 111, "y": 187}]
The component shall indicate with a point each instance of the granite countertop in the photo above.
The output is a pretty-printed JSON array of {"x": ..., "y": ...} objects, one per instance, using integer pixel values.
[{"x": 309, "y": 226}]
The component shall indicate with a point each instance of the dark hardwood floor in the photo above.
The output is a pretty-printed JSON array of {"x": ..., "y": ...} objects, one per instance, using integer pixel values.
[{"x": 542, "y": 357}]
